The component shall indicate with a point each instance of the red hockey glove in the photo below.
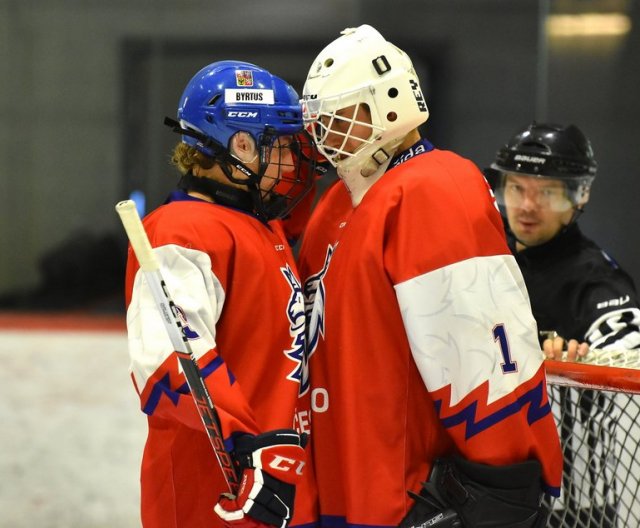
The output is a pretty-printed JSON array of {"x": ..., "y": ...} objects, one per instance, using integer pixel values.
[{"x": 272, "y": 464}]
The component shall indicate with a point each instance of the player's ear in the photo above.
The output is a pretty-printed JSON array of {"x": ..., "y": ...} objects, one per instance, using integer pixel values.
[{"x": 243, "y": 147}]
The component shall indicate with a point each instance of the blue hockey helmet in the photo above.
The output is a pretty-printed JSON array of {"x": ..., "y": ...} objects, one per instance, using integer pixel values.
[
  {"x": 232, "y": 96},
  {"x": 228, "y": 97}
]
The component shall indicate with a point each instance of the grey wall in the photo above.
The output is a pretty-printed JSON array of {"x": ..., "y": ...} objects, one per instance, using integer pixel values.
[
  {"x": 596, "y": 87},
  {"x": 84, "y": 85}
]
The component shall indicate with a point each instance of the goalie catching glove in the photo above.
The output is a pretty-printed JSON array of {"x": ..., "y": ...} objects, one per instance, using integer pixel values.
[{"x": 271, "y": 465}]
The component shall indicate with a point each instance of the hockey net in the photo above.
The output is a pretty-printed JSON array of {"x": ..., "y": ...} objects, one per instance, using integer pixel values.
[{"x": 596, "y": 404}]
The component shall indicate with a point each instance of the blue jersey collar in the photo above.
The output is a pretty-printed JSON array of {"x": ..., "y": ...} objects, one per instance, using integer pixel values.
[{"x": 420, "y": 147}]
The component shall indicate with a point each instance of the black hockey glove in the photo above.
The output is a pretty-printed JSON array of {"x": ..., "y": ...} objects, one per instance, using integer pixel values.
[
  {"x": 271, "y": 465},
  {"x": 464, "y": 494}
]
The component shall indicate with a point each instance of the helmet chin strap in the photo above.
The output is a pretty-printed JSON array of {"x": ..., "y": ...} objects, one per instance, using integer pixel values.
[
  {"x": 577, "y": 211},
  {"x": 226, "y": 195},
  {"x": 217, "y": 191}
]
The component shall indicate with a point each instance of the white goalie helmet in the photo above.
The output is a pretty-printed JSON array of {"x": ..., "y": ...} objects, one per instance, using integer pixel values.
[{"x": 362, "y": 68}]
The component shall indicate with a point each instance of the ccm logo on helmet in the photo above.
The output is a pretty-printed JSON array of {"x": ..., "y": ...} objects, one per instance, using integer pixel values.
[{"x": 239, "y": 113}]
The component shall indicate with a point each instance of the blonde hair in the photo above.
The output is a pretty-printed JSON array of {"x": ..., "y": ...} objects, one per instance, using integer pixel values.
[{"x": 185, "y": 158}]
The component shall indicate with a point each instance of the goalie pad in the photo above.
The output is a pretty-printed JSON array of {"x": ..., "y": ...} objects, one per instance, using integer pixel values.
[{"x": 464, "y": 494}]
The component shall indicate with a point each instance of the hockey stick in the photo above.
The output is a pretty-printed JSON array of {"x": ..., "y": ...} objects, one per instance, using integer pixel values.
[{"x": 150, "y": 266}]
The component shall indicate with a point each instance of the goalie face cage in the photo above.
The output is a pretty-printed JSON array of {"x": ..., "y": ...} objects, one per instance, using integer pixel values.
[{"x": 596, "y": 405}]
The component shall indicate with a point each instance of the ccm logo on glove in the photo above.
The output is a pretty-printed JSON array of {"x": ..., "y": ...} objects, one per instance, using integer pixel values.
[{"x": 283, "y": 462}]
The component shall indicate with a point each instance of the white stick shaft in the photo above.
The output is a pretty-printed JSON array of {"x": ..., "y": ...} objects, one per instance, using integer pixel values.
[
  {"x": 150, "y": 266},
  {"x": 137, "y": 235}
]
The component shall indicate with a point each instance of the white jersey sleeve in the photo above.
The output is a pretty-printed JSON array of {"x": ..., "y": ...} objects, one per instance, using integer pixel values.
[
  {"x": 470, "y": 323},
  {"x": 199, "y": 298}
]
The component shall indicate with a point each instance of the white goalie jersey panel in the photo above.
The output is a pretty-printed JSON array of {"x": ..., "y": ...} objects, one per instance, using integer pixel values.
[
  {"x": 198, "y": 296},
  {"x": 466, "y": 321}
]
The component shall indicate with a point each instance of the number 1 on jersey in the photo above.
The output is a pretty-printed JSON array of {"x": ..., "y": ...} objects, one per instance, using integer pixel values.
[{"x": 500, "y": 335}]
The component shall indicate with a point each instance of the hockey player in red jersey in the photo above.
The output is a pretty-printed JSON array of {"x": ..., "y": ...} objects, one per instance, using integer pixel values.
[
  {"x": 424, "y": 359},
  {"x": 245, "y": 162}
]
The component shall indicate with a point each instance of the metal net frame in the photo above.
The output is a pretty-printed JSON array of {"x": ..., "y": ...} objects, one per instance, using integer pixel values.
[{"x": 596, "y": 405}]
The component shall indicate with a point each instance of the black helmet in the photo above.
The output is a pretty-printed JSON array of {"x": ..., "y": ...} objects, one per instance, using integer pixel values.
[
  {"x": 550, "y": 150},
  {"x": 547, "y": 151}
]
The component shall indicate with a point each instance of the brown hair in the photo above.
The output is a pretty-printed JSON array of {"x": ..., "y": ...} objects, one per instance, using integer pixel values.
[{"x": 185, "y": 158}]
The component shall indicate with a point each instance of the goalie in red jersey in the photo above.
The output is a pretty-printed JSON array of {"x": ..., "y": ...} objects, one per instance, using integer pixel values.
[
  {"x": 424, "y": 358},
  {"x": 246, "y": 162}
]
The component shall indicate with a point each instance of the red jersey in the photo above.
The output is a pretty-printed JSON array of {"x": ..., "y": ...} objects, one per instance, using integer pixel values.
[
  {"x": 236, "y": 287},
  {"x": 422, "y": 342},
  {"x": 329, "y": 216}
]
